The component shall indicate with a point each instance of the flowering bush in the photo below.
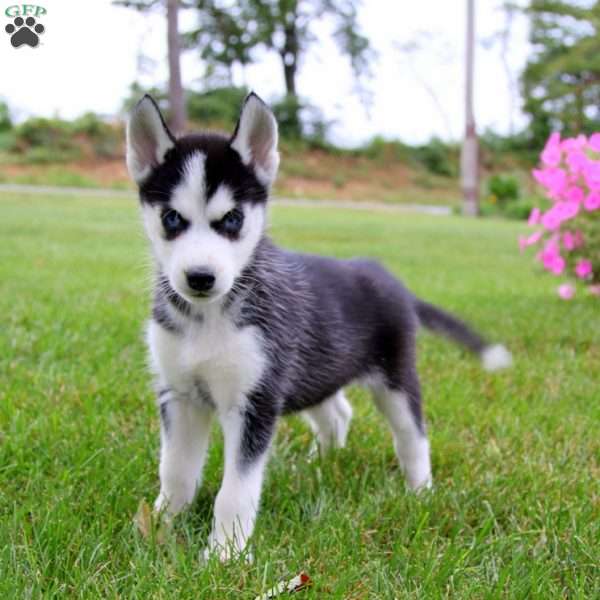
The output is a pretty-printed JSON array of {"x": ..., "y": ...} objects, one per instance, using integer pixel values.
[{"x": 568, "y": 233}]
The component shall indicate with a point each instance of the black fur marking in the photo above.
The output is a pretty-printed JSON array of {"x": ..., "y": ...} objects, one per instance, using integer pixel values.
[
  {"x": 163, "y": 392},
  {"x": 165, "y": 296},
  {"x": 259, "y": 425},
  {"x": 171, "y": 231},
  {"x": 161, "y": 316},
  {"x": 164, "y": 416},
  {"x": 223, "y": 165},
  {"x": 165, "y": 291},
  {"x": 326, "y": 322}
]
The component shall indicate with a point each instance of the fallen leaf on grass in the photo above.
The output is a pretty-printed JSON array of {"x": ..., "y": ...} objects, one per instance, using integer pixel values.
[
  {"x": 296, "y": 584},
  {"x": 148, "y": 524}
]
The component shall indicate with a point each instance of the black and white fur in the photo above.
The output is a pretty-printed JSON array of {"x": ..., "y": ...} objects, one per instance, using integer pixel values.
[{"x": 270, "y": 332}]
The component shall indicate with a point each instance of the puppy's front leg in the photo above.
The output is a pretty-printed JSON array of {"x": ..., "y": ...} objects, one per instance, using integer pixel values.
[
  {"x": 247, "y": 439},
  {"x": 184, "y": 434}
]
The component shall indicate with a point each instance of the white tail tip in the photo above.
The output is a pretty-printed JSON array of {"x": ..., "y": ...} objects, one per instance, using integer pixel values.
[{"x": 496, "y": 357}]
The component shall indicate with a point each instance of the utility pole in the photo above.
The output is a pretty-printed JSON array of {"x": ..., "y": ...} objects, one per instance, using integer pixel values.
[
  {"x": 469, "y": 159},
  {"x": 176, "y": 98}
]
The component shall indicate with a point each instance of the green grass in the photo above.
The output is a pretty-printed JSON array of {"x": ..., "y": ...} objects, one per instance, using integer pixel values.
[
  {"x": 61, "y": 177},
  {"x": 515, "y": 512}
]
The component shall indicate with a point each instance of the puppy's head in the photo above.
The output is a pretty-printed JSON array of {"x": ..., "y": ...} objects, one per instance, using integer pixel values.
[{"x": 203, "y": 196}]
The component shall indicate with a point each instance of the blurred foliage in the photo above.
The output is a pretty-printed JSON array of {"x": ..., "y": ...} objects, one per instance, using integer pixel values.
[
  {"x": 220, "y": 106},
  {"x": 300, "y": 120},
  {"x": 503, "y": 197},
  {"x": 5, "y": 120},
  {"x": 503, "y": 187},
  {"x": 436, "y": 156},
  {"x": 561, "y": 81},
  {"x": 41, "y": 140},
  {"x": 516, "y": 209},
  {"x": 137, "y": 92},
  {"x": 496, "y": 148},
  {"x": 439, "y": 157},
  {"x": 378, "y": 148},
  {"x": 230, "y": 33},
  {"x": 287, "y": 113}
]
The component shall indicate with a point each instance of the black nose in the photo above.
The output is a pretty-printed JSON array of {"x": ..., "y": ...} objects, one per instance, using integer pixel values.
[{"x": 199, "y": 280}]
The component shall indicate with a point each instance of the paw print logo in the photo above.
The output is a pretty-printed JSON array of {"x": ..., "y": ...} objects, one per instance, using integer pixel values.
[{"x": 24, "y": 31}]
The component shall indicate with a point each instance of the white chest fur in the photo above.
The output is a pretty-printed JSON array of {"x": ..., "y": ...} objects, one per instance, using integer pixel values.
[{"x": 227, "y": 360}]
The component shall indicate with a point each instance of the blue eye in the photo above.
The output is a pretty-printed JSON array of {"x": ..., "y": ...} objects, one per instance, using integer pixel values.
[
  {"x": 231, "y": 223},
  {"x": 173, "y": 223}
]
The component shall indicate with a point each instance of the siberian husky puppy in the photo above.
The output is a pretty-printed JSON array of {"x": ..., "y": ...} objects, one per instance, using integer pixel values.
[{"x": 246, "y": 332}]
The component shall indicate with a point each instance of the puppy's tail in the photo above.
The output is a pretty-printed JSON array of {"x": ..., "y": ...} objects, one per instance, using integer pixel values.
[{"x": 493, "y": 356}]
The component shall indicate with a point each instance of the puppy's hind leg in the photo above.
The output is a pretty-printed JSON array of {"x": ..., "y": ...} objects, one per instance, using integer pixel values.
[
  {"x": 402, "y": 408},
  {"x": 330, "y": 421}
]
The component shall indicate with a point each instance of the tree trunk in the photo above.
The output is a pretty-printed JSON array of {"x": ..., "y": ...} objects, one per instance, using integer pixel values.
[
  {"x": 289, "y": 57},
  {"x": 176, "y": 98},
  {"x": 289, "y": 72},
  {"x": 470, "y": 150}
]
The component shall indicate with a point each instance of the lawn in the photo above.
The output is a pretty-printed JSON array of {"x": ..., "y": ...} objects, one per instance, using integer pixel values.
[{"x": 515, "y": 512}]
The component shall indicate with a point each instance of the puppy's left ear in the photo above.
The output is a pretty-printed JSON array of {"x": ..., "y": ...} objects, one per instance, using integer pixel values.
[
  {"x": 148, "y": 139},
  {"x": 255, "y": 139}
]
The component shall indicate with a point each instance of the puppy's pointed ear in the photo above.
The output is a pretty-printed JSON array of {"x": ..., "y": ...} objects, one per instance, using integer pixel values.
[
  {"x": 148, "y": 139},
  {"x": 255, "y": 139}
]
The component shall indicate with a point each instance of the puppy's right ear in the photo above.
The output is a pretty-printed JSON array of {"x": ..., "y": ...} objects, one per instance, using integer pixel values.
[{"x": 148, "y": 139}]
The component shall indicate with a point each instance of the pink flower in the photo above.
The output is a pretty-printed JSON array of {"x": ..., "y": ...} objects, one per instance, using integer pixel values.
[
  {"x": 551, "y": 219},
  {"x": 551, "y": 258},
  {"x": 572, "y": 241},
  {"x": 592, "y": 201},
  {"x": 534, "y": 238},
  {"x": 583, "y": 269},
  {"x": 566, "y": 291},
  {"x": 594, "y": 142},
  {"x": 592, "y": 175},
  {"x": 574, "y": 194},
  {"x": 574, "y": 144},
  {"x": 567, "y": 210},
  {"x": 555, "y": 264},
  {"x": 577, "y": 161},
  {"x": 551, "y": 156},
  {"x": 594, "y": 290},
  {"x": 553, "y": 179},
  {"x": 561, "y": 211},
  {"x": 534, "y": 217},
  {"x": 568, "y": 241},
  {"x": 556, "y": 182}
]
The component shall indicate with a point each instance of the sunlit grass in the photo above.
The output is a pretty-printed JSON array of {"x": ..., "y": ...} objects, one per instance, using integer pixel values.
[{"x": 515, "y": 512}]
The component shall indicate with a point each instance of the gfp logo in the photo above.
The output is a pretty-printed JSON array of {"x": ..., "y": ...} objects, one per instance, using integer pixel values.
[{"x": 24, "y": 29}]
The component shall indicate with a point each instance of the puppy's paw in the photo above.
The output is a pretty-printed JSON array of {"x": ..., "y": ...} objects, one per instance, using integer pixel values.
[
  {"x": 168, "y": 506},
  {"x": 225, "y": 553}
]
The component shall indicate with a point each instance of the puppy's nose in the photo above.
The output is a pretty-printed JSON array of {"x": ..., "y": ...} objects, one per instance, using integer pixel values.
[{"x": 200, "y": 280}]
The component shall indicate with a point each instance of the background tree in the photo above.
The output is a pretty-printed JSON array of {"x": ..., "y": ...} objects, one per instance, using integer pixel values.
[
  {"x": 176, "y": 97},
  {"x": 469, "y": 160},
  {"x": 177, "y": 109},
  {"x": 230, "y": 32},
  {"x": 561, "y": 81}
]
